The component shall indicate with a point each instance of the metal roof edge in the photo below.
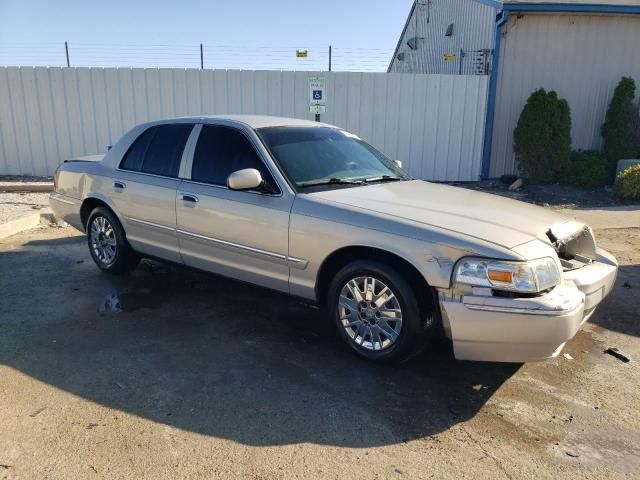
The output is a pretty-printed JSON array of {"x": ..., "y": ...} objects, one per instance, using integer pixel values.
[
  {"x": 570, "y": 7},
  {"x": 406, "y": 24},
  {"x": 497, "y": 4}
]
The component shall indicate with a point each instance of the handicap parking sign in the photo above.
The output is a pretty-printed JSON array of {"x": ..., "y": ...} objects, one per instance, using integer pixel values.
[{"x": 317, "y": 94}]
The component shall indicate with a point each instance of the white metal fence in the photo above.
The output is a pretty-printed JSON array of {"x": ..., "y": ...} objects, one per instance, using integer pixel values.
[{"x": 433, "y": 123}]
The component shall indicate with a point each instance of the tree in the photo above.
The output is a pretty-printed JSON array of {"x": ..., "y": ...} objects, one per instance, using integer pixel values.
[
  {"x": 542, "y": 138},
  {"x": 620, "y": 140}
]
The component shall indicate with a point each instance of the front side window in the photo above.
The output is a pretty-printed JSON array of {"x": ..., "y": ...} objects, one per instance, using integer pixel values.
[
  {"x": 323, "y": 156},
  {"x": 158, "y": 150},
  {"x": 221, "y": 151}
]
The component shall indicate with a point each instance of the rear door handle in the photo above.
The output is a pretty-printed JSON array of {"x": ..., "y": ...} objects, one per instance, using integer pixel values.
[
  {"x": 188, "y": 197},
  {"x": 120, "y": 185}
]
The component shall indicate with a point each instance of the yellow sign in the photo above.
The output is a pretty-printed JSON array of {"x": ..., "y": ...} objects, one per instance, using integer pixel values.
[
  {"x": 302, "y": 53},
  {"x": 449, "y": 57}
]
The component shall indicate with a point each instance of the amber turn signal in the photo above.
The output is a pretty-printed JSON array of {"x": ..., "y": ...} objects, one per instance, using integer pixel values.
[{"x": 500, "y": 276}]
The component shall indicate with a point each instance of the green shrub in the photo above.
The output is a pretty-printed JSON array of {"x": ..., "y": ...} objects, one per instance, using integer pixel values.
[
  {"x": 619, "y": 135},
  {"x": 542, "y": 138},
  {"x": 586, "y": 168},
  {"x": 627, "y": 184}
]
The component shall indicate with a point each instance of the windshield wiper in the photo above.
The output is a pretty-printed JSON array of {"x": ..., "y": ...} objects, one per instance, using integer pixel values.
[
  {"x": 383, "y": 178},
  {"x": 332, "y": 181}
]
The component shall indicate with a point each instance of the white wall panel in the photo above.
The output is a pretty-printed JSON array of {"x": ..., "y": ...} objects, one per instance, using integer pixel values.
[
  {"x": 433, "y": 123},
  {"x": 580, "y": 56}
]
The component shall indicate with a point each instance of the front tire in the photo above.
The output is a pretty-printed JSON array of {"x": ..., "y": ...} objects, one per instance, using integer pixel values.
[
  {"x": 377, "y": 312},
  {"x": 108, "y": 244}
]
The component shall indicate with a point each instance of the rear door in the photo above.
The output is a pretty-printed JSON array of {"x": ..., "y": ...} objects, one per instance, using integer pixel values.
[
  {"x": 144, "y": 189},
  {"x": 240, "y": 234}
]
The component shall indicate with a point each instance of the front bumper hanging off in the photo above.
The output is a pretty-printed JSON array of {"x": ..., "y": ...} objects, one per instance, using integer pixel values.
[{"x": 500, "y": 329}]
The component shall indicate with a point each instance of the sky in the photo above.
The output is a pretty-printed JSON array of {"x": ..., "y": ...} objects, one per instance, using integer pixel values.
[{"x": 235, "y": 33}]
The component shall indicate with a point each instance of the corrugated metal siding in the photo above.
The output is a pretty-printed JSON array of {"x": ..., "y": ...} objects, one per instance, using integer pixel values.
[
  {"x": 473, "y": 26},
  {"x": 582, "y": 57},
  {"x": 433, "y": 123}
]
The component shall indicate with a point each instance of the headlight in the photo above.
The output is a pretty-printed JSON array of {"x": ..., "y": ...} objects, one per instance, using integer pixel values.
[{"x": 529, "y": 277}]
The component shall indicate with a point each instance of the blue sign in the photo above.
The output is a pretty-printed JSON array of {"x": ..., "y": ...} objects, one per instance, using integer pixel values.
[{"x": 317, "y": 94}]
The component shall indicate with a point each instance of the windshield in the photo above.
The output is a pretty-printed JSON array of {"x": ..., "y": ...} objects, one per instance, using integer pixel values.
[{"x": 324, "y": 156}]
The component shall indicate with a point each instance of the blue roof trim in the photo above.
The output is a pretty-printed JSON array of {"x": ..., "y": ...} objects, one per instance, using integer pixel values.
[
  {"x": 491, "y": 101},
  {"x": 570, "y": 7},
  {"x": 491, "y": 3}
]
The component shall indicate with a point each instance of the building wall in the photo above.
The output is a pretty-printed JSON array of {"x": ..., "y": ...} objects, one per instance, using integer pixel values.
[
  {"x": 473, "y": 26},
  {"x": 580, "y": 56},
  {"x": 433, "y": 123}
]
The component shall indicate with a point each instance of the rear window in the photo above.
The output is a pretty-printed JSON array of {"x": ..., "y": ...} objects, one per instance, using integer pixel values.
[{"x": 158, "y": 150}]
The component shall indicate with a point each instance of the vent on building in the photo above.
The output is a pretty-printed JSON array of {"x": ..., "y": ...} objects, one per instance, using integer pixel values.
[
  {"x": 449, "y": 32},
  {"x": 400, "y": 56},
  {"x": 413, "y": 42}
]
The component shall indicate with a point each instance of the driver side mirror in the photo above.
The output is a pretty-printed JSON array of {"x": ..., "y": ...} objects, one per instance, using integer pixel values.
[
  {"x": 397, "y": 163},
  {"x": 245, "y": 179}
]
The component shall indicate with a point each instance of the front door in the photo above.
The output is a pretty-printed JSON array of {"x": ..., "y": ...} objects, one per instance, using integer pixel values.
[{"x": 239, "y": 234}]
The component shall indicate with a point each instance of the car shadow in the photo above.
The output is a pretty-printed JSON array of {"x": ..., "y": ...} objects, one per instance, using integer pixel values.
[
  {"x": 623, "y": 303},
  {"x": 218, "y": 357}
]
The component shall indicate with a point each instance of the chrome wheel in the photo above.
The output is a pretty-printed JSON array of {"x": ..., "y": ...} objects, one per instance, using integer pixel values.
[
  {"x": 370, "y": 313},
  {"x": 103, "y": 240}
]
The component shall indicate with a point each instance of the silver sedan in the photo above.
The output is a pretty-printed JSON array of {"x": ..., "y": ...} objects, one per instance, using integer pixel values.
[{"x": 312, "y": 210}]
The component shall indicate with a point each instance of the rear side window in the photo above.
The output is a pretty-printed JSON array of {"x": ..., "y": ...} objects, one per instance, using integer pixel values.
[
  {"x": 135, "y": 155},
  {"x": 221, "y": 151},
  {"x": 158, "y": 150}
]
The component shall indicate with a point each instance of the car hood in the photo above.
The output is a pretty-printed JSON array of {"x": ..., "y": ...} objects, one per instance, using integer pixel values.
[{"x": 492, "y": 218}]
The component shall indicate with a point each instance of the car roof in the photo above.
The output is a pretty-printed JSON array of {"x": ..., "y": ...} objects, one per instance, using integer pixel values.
[{"x": 260, "y": 121}]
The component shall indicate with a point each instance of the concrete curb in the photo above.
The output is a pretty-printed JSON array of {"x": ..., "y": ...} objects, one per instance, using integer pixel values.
[
  {"x": 19, "y": 225},
  {"x": 26, "y": 187},
  {"x": 28, "y": 222}
]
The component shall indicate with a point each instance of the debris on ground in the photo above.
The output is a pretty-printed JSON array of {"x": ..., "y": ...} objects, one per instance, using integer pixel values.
[
  {"x": 517, "y": 185},
  {"x": 571, "y": 454},
  {"x": 58, "y": 224},
  {"x": 626, "y": 284},
  {"x": 567, "y": 356},
  {"x": 38, "y": 412},
  {"x": 619, "y": 354},
  {"x": 122, "y": 386},
  {"x": 111, "y": 303}
]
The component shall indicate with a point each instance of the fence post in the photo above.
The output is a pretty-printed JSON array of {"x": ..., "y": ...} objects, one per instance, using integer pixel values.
[
  {"x": 201, "y": 58},
  {"x": 66, "y": 51},
  {"x": 329, "y": 57}
]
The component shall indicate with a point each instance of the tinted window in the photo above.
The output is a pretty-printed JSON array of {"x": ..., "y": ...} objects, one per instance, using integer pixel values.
[
  {"x": 158, "y": 150},
  {"x": 221, "y": 151},
  {"x": 134, "y": 157}
]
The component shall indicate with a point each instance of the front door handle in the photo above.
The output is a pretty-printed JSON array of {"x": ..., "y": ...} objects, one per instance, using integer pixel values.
[
  {"x": 119, "y": 184},
  {"x": 188, "y": 197}
]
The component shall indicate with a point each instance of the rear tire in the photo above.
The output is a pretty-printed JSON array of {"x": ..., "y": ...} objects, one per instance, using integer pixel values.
[
  {"x": 108, "y": 244},
  {"x": 377, "y": 312}
]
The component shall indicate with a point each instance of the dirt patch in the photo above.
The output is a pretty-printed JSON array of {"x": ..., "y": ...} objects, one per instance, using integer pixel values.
[
  {"x": 559, "y": 196},
  {"x": 205, "y": 377}
]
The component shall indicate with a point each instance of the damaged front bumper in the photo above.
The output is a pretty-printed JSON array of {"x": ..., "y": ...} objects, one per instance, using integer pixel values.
[{"x": 503, "y": 329}]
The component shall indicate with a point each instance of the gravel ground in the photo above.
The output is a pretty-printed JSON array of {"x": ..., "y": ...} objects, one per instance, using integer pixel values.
[
  {"x": 558, "y": 196},
  {"x": 16, "y": 205},
  {"x": 202, "y": 377}
]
